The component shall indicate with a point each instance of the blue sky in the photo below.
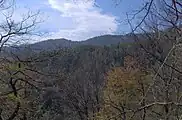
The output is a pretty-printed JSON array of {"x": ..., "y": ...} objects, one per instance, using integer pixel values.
[{"x": 80, "y": 19}]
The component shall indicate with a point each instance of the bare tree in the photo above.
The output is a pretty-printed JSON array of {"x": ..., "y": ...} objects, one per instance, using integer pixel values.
[
  {"x": 15, "y": 82},
  {"x": 14, "y": 31},
  {"x": 161, "y": 28},
  {"x": 158, "y": 35}
]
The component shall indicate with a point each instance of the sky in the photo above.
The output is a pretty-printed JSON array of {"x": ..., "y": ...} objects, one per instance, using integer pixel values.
[{"x": 79, "y": 19}]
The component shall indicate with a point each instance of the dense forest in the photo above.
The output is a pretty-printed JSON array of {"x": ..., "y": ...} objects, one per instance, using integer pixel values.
[{"x": 136, "y": 76}]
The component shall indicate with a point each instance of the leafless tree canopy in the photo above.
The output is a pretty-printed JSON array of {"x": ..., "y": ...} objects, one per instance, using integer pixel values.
[
  {"x": 12, "y": 31},
  {"x": 139, "y": 81}
]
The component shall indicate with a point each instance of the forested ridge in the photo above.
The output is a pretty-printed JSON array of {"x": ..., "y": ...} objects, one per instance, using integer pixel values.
[{"x": 70, "y": 80}]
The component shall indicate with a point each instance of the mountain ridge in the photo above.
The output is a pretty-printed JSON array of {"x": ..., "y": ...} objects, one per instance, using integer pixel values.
[
  {"x": 56, "y": 44},
  {"x": 103, "y": 40}
]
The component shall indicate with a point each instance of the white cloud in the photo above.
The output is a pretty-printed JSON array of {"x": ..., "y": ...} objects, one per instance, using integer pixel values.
[
  {"x": 85, "y": 19},
  {"x": 70, "y": 19}
]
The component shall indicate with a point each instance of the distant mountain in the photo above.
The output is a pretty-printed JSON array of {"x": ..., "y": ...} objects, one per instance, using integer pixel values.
[
  {"x": 106, "y": 40},
  {"x": 54, "y": 44}
]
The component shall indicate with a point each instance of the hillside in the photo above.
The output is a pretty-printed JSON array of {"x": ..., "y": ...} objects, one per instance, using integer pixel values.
[
  {"x": 55, "y": 44},
  {"x": 68, "y": 80}
]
